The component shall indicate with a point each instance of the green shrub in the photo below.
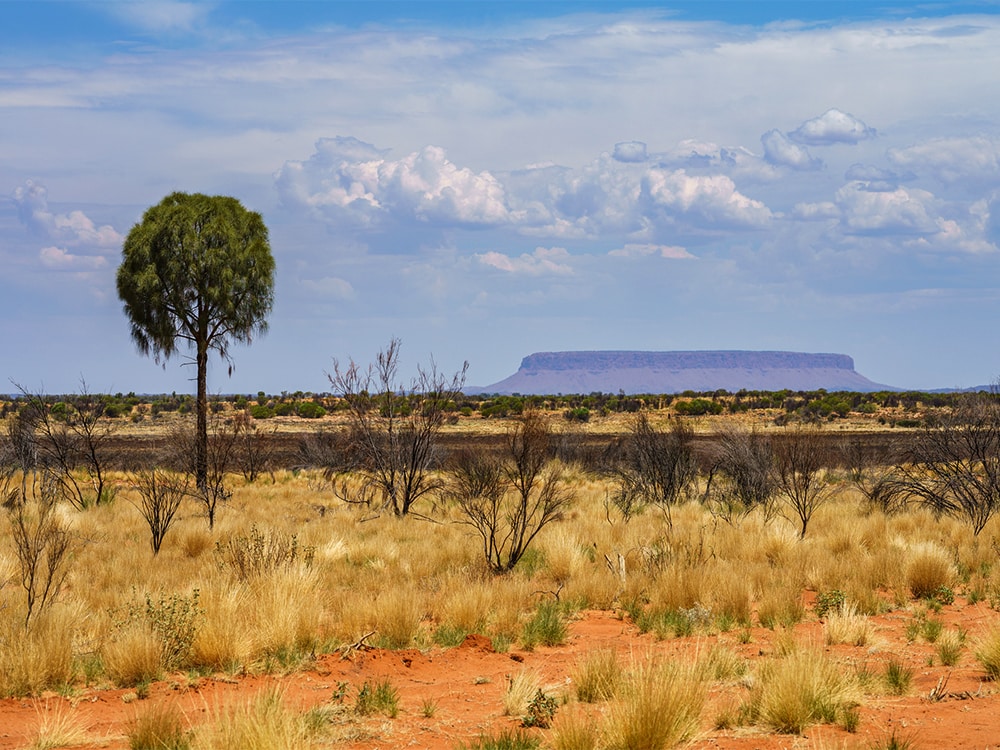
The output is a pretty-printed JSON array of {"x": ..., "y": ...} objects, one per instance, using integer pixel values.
[
  {"x": 380, "y": 698},
  {"x": 546, "y": 628},
  {"x": 541, "y": 710}
]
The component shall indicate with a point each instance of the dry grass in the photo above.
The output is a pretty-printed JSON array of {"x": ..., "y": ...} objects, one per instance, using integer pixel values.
[
  {"x": 930, "y": 567},
  {"x": 59, "y": 726},
  {"x": 847, "y": 625},
  {"x": 597, "y": 676},
  {"x": 659, "y": 705},
  {"x": 263, "y": 723}
]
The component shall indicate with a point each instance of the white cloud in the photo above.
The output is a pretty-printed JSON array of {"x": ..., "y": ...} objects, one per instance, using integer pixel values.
[
  {"x": 833, "y": 126},
  {"x": 347, "y": 178},
  {"x": 710, "y": 200},
  {"x": 543, "y": 261},
  {"x": 74, "y": 229},
  {"x": 59, "y": 259},
  {"x": 645, "y": 251},
  {"x": 952, "y": 159},
  {"x": 816, "y": 211},
  {"x": 779, "y": 150},
  {"x": 899, "y": 211}
]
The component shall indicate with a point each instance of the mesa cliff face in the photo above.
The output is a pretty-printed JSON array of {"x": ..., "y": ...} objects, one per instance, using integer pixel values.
[{"x": 674, "y": 372}]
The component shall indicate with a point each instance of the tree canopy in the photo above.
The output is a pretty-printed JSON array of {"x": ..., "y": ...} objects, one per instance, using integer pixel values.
[{"x": 197, "y": 270}]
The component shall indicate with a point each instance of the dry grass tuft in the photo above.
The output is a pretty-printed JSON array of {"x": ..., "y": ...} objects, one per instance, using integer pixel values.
[
  {"x": 597, "y": 676},
  {"x": 659, "y": 705},
  {"x": 930, "y": 568}
]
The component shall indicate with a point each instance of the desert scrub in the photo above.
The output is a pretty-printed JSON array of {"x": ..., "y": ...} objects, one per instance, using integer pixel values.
[
  {"x": 173, "y": 620},
  {"x": 949, "y": 647},
  {"x": 540, "y": 711},
  {"x": 248, "y": 557},
  {"x": 659, "y": 704},
  {"x": 801, "y": 689}
]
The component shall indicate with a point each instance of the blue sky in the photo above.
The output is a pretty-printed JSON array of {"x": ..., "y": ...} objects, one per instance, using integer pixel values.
[{"x": 487, "y": 180}]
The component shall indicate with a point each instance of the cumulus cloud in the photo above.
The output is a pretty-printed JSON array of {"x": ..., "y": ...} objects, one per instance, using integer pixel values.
[
  {"x": 697, "y": 155},
  {"x": 647, "y": 251},
  {"x": 711, "y": 200},
  {"x": 816, "y": 211},
  {"x": 59, "y": 259},
  {"x": 349, "y": 179},
  {"x": 542, "y": 261},
  {"x": 630, "y": 151},
  {"x": 833, "y": 126},
  {"x": 781, "y": 151},
  {"x": 898, "y": 211},
  {"x": 952, "y": 159},
  {"x": 74, "y": 229}
]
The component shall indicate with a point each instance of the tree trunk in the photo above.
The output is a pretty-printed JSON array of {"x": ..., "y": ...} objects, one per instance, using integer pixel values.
[{"x": 201, "y": 407}]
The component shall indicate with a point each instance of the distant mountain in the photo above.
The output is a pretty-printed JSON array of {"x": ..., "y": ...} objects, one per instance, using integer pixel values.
[{"x": 674, "y": 372}]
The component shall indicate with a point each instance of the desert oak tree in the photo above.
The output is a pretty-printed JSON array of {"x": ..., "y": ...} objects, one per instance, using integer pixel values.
[{"x": 197, "y": 271}]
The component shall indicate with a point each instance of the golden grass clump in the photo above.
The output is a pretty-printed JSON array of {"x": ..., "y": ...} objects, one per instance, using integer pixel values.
[
  {"x": 573, "y": 730},
  {"x": 59, "y": 726},
  {"x": 988, "y": 652},
  {"x": 929, "y": 568},
  {"x": 659, "y": 704},
  {"x": 521, "y": 688},
  {"x": 597, "y": 675},
  {"x": 133, "y": 656},
  {"x": 40, "y": 658},
  {"x": 846, "y": 625},
  {"x": 801, "y": 689},
  {"x": 263, "y": 723}
]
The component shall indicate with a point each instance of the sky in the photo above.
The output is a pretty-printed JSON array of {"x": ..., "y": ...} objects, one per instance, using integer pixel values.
[{"x": 485, "y": 180}]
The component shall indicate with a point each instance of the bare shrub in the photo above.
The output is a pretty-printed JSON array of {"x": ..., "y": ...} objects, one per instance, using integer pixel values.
[
  {"x": 801, "y": 475},
  {"x": 745, "y": 462},
  {"x": 954, "y": 467},
  {"x": 394, "y": 427},
  {"x": 254, "y": 454},
  {"x": 654, "y": 467},
  {"x": 41, "y": 543},
  {"x": 509, "y": 501},
  {"x": 256, "y": 554},
  {"x": 160, "y": 496},
  {"x": 73, "y": 439}
]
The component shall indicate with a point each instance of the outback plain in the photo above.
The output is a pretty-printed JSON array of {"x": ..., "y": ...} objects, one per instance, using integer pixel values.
[{"x": 707, "y": 571}]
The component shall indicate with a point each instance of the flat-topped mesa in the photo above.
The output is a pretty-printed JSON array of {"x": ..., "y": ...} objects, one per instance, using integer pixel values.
[
  {"x": 674, "y": 372},
  {"x": 693, "y": 360}
]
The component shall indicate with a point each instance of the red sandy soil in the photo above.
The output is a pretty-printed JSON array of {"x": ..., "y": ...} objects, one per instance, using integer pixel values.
[{"x": 467, "y": 683}]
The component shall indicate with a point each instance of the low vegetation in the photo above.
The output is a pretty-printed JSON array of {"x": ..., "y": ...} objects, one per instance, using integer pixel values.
[{"x": 134, "y": 585}]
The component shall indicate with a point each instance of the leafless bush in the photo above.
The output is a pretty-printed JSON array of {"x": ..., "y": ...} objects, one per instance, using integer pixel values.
[
  {"x": 41, "y": 543},
  {"x": 219, "y": 454},
  {"x": 509, "y": 500},
  {"x": 256, "y": 554},
  {"x": 654, "y": 467},
  {"x": 160, "y": 496},
  {"x": 73, "y": 439},
  {"x": 955, "y": 465},
  {"x": 254, "y": 454},
  {"x": 394, "y": 428},
  {"x": 744, "y": 462},
  {"x": 801, "y": 474}
]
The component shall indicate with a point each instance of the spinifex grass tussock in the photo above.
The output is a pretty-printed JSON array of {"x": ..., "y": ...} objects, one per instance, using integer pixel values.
[
  {"x": 949, "y": 646},
  {"x": 804, "y": 688},
  {"x": 133, "y": 655},
  {"x": 988, "y": 652},
  {"x": 898, "y": 676},
  {"x": 597, "y": 675},
  {"x": 572, "y": 730},
  {"x": 287, "y": 608},
  {"x": 506, "y": 739},
  {"x": 521, "y": 687},
  {"x": 547, "y": 627},
  {"x": 263, "y": 723},
  {"x": 41, "y": 657},
  {"x": 377, "y": 698},
  {"x": 659, "y": 704},
  {"x": 224, "y": 641},
  {"x": 846, "y": 625},
  {"x": 929, "y": 568},
  {"x": 398, "y": 617},
  {"x": 722, "y": 664},
  {"x": 59, "y": 726},
  {"x": 161, "y": 726}
]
